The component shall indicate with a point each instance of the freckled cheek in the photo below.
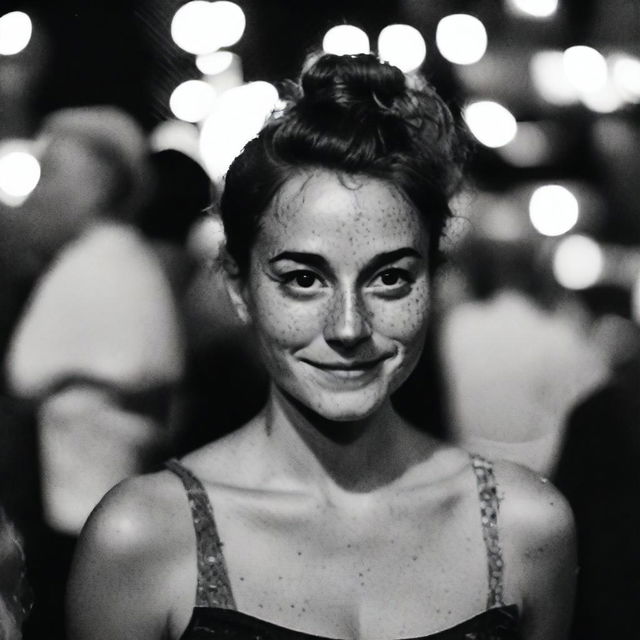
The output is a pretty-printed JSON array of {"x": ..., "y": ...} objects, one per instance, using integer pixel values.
[
  {"x": 285, "y": 323},
  {"x": 405, "y": 320}
]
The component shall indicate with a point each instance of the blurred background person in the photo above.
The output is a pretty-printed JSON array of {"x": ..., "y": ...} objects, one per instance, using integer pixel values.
[
  {"x": 599, "y": 473},
  {"x": 516, "y": 349},
  {"x": 98, "y": 350}
]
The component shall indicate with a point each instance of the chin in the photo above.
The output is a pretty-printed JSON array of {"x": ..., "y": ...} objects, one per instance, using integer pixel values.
[{"x": 344, "y": 406}]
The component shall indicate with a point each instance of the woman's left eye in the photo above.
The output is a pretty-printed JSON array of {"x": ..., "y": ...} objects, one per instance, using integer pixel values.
[
  {"x": 391, "y": 278},
  {"x": 302, "y": 280}
]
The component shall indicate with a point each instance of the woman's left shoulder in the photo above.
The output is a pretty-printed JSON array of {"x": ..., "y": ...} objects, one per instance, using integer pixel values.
[{"x": 531, "y": 508}]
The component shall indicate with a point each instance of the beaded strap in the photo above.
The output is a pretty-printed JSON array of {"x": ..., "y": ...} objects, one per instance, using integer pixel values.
[
  {"x": 489, "y": 507},
  {"x": 214, "y": 589}
]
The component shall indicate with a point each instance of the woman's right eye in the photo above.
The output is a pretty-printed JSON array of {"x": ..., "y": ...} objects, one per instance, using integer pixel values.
[{"x": 302, "y": 279}]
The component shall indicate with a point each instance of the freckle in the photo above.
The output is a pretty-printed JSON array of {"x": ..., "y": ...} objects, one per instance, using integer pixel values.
[
  {"x": 299, "y": 553},
  {"x": 414, "y": 558},
  {"x": 279, "y": 577},
  {"x": 241, "y": 578},
  {"x": 293, "y": 606}
]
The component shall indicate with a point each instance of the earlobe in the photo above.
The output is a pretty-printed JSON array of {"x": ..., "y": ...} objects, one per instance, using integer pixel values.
[{"x": 236, "y": 289}]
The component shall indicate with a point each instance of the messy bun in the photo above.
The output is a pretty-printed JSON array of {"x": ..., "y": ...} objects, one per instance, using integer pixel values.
[{"x": 352, "y": 114}]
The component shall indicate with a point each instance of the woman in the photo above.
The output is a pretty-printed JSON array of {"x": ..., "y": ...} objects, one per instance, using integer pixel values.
[{"x": 334, "y": 517}]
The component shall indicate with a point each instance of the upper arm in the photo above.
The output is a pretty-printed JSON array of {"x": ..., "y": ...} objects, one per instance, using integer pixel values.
[
  {"x": 539, "y": 540},
  {"x": 115, "y": 589}
]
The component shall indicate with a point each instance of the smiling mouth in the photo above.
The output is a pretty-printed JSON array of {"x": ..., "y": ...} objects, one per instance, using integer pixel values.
[{"x": 346, "y": 370}]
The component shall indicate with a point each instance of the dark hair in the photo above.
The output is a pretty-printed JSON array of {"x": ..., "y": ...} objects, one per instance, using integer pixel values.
[{"x": 352, "y": 114}]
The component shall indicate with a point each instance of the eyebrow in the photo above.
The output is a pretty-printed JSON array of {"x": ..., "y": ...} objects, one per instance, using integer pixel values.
[{"x": 319, "y": 262}]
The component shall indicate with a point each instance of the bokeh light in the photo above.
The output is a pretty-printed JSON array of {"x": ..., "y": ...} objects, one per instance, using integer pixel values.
[
  {"x": 201, "y": 27},
  {"x": 547, "y": 72},
  {"x": 345, "y": 39},
  {"x": 403, "y": 46},
  {"x": 214, "y": 63},
  {"x": 176, "y": 134},
  {"x": 534, "y": 8},
  {"x": 15, "y": 32},
  {"x": 19, "y": 172},
  {"x": 193, "y": 27},
  {"x": 192, "y": 100},
  {"x": 491, "y": 123},
  {"x": 585, "y": 68},
  {"x": 625, "y": 75},
  {"x": 531, "y": 146},
  {"x": 461, "y": 38},
  {"x": 553, "y": 210},
  {"x": 578, "y": 262},
  {"x": 238, "y": 116},
  {"x": 230, "y": 21}
]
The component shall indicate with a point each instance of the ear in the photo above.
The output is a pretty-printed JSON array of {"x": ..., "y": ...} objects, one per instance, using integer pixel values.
[{"x": 236, "y": 288}]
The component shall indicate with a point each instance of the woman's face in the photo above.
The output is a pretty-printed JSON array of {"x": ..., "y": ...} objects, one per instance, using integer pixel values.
[{"x": 338, "y": 292}]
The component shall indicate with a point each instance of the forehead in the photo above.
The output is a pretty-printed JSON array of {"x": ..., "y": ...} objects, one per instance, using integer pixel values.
[{"x": 326, "y": 208}]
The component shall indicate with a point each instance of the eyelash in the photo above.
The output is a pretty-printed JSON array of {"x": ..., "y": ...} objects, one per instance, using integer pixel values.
[{"x": 402, "y": 279}]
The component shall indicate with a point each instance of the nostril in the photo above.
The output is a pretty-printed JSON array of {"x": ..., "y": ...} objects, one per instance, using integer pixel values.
[{"x": 348, "y": 323}]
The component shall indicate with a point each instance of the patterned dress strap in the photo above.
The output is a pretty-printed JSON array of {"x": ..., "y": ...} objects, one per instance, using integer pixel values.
[
  {"x": 213, "y": 588},
  {"x": 489, "y": 507}
]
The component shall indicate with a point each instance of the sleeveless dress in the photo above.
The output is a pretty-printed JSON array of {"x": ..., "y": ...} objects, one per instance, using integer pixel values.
[{"x": 215, "y": 614}]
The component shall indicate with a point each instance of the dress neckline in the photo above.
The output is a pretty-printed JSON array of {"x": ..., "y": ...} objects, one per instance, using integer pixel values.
[{"x": 509, "y": 613}]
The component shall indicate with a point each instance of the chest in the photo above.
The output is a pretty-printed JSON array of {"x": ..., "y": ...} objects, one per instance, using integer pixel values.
[{"x": 397, "y": 571}]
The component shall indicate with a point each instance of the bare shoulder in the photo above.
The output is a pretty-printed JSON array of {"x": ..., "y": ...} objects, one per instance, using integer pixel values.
[
  {"x": 130, "y": 561},
  {"x": 530, "y": 505},
  {"x": 138, "y": 515}
]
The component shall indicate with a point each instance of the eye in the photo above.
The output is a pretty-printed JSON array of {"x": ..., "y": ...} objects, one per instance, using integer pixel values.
[
  {"x": 391, "y": 278},
  {"x": 302, "y": 279}
]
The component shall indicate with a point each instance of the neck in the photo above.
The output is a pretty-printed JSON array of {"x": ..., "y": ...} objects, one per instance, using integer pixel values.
[{"x": 351, "y": 456}]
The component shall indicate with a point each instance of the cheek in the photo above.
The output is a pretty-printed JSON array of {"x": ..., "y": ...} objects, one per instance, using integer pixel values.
[
  {"x": 406, "y": 320},
  {"x": 281, "y": 322}
]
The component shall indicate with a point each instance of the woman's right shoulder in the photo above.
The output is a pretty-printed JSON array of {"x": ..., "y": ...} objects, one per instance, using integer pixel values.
[
  {"x": 138, "y": 514},
  {"x": 133, "y": 561}
]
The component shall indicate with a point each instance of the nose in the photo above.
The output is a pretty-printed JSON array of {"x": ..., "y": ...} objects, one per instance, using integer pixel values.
[{"x": 348, "y": 322}]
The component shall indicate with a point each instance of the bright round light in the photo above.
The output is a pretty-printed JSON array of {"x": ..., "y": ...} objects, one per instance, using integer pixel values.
[
  {"x": 192, "y": 100},
  {"x": 461, "y": 38},
  {"x": 530, "y": 147},
  {"x": 553, "y": 210},
  {"x": 176, "y": 134},
  {"x": 535, "y": 8},
  {"x": 15, "y": 32},
  {"x": 585, "y": 68},
  {"x": 549, "y": 79},
  {"x": 230, "y": 22},
  {"x": 19, "y": 174},
  {"x": 237, "y": 117},
  {"x": 402, "y": 46},
  {"x": 214, "y": 63},
  {"x": 345, "y": 39},
  {"x": 194, "y": 27},
  {"x": 625, "y": 75},
  {"x": 491, "y": 123},
  {"x": 578, "y": 262},
  {"x": 606, "y": 100}
]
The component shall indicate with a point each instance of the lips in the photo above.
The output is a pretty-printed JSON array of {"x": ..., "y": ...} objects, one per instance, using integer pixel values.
[{"x": 347, "y": 370}]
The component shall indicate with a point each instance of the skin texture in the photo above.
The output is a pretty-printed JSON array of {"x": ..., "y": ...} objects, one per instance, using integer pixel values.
[
  {"x": 338, "y": 293},
  {"x": 337, "y": 517}
]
